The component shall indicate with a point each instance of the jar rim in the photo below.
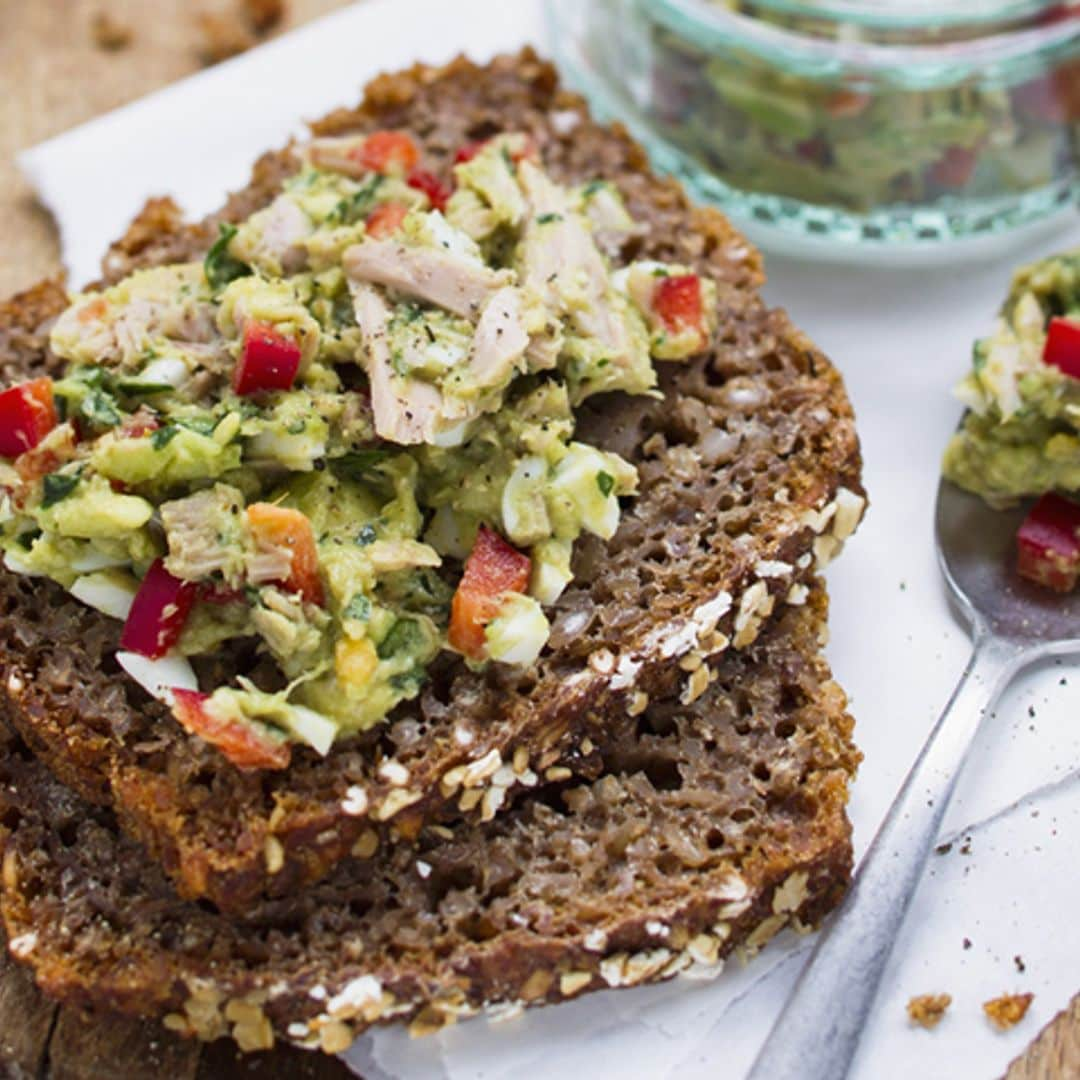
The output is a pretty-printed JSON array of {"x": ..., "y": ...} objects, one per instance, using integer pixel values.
[
  {"x": 1012, "y": 56},
  {"x": 926, "y": 14}
]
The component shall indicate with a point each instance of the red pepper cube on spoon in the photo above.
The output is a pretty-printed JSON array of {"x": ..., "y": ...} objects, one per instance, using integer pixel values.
[
  {"x": 1062, "y": 349},
  {"x": 1048, "y": 544}
]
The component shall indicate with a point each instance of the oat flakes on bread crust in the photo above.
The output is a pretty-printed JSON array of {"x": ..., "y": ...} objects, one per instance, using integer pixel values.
[
  {"x": 713, "y": 826},
  {"x": 749, "y": 473}
]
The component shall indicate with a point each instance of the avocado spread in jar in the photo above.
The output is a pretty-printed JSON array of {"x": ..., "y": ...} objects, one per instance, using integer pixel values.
[
  {"x": 1021, "y": 435},
  {"x": 347, "y": 435}
]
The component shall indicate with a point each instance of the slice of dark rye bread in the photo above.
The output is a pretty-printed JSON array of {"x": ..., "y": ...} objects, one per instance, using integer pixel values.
[
  {"x": 714, "y": 825},
  {"x": 749, "y": 472}
]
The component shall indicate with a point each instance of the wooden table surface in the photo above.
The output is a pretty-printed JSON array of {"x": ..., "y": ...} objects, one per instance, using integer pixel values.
[{"x": 54, "y": 76}]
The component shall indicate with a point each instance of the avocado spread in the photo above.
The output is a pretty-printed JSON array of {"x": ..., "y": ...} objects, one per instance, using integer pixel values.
[
  {"x": 305, "y": 439},
  {"x": 1021, "y": 435}
]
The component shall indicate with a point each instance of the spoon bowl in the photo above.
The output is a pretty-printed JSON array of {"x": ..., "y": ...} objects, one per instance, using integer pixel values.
[{"x": 977, "y": 550}]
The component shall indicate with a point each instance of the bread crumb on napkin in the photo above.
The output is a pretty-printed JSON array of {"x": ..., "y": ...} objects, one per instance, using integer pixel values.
[
  {"x": 926, "y": 1010},
  {"x": 1008, "y": 1010}
]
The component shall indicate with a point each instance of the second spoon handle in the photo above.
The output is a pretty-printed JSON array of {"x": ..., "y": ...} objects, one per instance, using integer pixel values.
[{"x": 817, "y": 1034}]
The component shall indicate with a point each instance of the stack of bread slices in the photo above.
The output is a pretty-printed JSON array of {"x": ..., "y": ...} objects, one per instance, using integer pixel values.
[{"x": 665, "y": 786}]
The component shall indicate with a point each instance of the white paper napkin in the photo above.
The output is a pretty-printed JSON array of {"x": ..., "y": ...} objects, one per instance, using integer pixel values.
[{"x": 902, "y": 337}]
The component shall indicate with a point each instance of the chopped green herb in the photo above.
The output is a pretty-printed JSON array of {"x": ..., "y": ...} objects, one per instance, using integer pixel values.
[
  {"x": 92, "y": 375},
  {"x": 353, "y": 465},
  {"x": 593, "y": 188},
  {"x": 297, "y": 427},
  {"x": 404, "y": 636},
  {"x": 219, "y": 266},
  {"x": 99, "y": 410},
  {"x": 979, "y": 355},
  {"x": 366, "y": 536},
  {"x": 142, "y": 389},
  {"x": 397, "y": 362},
  {"x": 26, "y": 540},
  {"x": 358, "y": 205},
  {"x": 162, "y": 436},
  {"x": 606, "y": 483},
  {"x": 58, "y": 486},
  {"x": 547, "y": 219},
  {"x": 409, "y": 682},
  {"x": 201, "y": 425},
  {"x": 359, "y": 607}
]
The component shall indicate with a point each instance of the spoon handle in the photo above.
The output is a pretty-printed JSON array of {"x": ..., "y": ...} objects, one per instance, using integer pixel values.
[{"x": 817, "y": 1034}]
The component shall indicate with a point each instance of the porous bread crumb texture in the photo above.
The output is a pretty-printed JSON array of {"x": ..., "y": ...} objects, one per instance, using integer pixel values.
[
  {"x": 1007, "y": 1011},
  {"x": 927, "y": 1010},
  {"x": 743, "y": 464},
  {"x": 713, "y": 827}
]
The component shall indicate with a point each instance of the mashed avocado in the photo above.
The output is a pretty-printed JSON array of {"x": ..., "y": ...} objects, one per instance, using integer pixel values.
[
  {"x": 1021, "y": 435},
  {"x": 303, "y": 440}
]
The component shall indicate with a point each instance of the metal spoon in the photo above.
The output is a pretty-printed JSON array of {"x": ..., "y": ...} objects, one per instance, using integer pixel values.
[{"x": 1013, "y": 624}]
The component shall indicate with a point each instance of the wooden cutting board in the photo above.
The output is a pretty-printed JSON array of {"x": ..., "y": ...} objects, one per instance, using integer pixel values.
[{"x": 53, "y": 76}]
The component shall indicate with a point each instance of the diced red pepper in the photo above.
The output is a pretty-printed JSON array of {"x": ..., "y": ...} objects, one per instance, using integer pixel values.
[
  {"x": 388, "y": 152},
  {"x": 268, "y": 361},
  {"x": 242, "y": 743},
  {"x": 437, "y": 192},
  {"x": 1048, "y": 544},
  {"x": 160, "y": 610},
  {"x": 1062, "y": 349},
  {"x": 847, "y": 103},
  {"x": 386, "y": 219},
  {"x": 468, "y": 151},
  {"x": 279, "y": 528},
  {"x": 27, "y": 415},
  {"x": 954, "y": 168},
  {"x": 492, "y": 569},
  {"x": 679, "y": 302}
]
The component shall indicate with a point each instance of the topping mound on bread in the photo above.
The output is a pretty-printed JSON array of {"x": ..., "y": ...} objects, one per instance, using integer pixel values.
[
  {"x": 738, "y": 444},
  {"x": 347, "y": 433}
]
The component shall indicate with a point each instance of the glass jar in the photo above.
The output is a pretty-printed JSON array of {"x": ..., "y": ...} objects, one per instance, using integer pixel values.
[{"x": 855, "y": 125}]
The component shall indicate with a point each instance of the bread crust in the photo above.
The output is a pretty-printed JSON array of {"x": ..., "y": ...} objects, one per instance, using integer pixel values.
[{"x": 741, "y": 467}]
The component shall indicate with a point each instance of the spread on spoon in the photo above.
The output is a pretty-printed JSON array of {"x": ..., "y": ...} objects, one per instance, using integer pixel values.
[{"x": 1021, "y": 435}]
